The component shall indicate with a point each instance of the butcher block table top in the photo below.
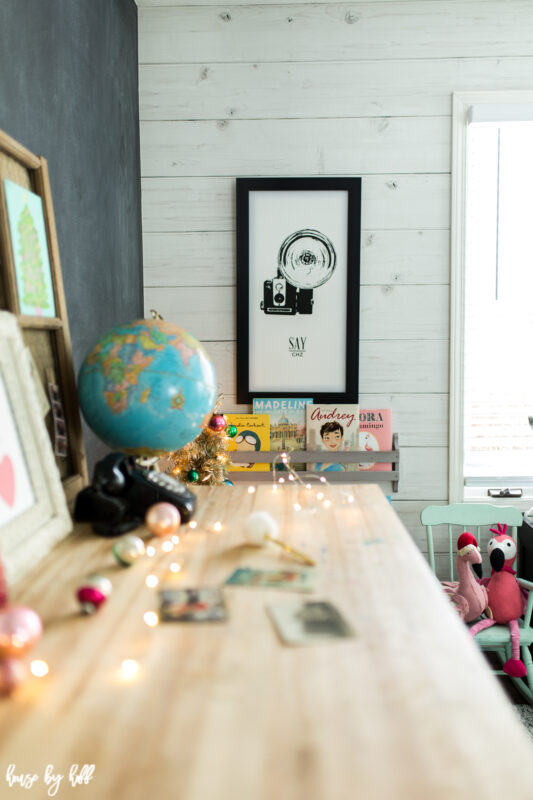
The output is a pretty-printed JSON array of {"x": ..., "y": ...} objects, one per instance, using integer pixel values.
[{"x": 406, "y": 710}]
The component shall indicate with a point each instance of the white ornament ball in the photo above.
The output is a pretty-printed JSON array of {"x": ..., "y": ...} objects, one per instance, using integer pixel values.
[
  {"x": 99, "y": 582},
  {"x": 258, "y": 525},
  {"x": 128, "y": 549}
]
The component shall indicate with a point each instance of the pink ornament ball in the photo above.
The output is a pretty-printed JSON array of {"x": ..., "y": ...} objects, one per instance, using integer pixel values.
[
  {"x": 217, "y": 422},
  {"x": 12, "y": 673},
  {"x": 162, "y": 519},
  {"x": 90, "y": 599},
  {"x": 20, "y": 629}
]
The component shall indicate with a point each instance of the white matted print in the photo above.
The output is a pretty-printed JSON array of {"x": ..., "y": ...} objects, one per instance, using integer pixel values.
[
  {"x": 16, "y": 493},
  {"x": 298, "y": 287},
  {"x": 33, "y": 509}
]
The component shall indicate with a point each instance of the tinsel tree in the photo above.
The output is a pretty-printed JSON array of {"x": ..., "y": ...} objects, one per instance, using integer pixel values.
[{"x": 205, "y": 460}]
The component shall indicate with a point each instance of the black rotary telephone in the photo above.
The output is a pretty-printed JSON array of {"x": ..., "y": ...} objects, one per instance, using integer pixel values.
[{"x": 121, "y": 493}]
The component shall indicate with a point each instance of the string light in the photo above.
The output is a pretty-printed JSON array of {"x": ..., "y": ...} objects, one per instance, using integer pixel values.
[
  {"x": 175, "y": 539},
  {"x": 297, "y": 507},
  {"x": 174, "y": 567},
  {"x": 217, "y": 527},
  {"x": 251, "y": 490},
  {"x": 130, "y": 668},
  {"x": 193, "y": 525},
  {"x": 319, "y": 495},
  {"x": 151, "y": 618},
  {"x": 327, "y": 503},
  {"x": 151, "y": 581},
  {"x": 150, "y": 551},
  {"x": 167, "y": 546},
  {"x": 39, "y": 668}
]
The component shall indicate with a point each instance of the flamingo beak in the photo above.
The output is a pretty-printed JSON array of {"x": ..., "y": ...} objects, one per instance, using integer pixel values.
[
  {"x": 497, "y": 559},
  {"x": 478, "y": 569}
]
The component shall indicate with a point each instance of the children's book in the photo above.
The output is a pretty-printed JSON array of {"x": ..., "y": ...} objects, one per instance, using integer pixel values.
[
  {"x": 253, "y": 434},
  {"x": 375, "y": 433},
  {"x": 287, "y": 422},
  {"x": 334, "y": 429}
]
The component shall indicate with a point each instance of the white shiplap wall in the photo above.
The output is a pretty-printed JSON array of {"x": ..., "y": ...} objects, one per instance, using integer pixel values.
[{"x": 271, "y": 89}]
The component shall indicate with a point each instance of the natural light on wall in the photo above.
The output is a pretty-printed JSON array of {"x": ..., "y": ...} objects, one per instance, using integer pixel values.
[{"x": 498, "y": 304}]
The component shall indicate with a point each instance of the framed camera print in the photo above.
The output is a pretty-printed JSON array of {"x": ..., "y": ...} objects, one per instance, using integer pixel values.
[{"x": 298, "y": 263}]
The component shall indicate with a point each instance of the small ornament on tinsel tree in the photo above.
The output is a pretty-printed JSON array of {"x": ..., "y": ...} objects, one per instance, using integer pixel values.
[{"x": 205, "y": 460}]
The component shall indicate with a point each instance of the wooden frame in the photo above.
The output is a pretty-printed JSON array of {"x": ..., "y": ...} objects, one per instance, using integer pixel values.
[
  {"x": 47, "y": 337},
  {"x": 268, "y": 343},
  {"x": 33, "y": 509}
]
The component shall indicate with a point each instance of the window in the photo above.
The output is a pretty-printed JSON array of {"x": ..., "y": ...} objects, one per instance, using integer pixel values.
[{"x": 491, "y": 379}]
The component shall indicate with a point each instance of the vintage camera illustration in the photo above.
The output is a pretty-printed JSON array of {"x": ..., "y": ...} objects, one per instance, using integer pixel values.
[{"x": 306, "y": 260}]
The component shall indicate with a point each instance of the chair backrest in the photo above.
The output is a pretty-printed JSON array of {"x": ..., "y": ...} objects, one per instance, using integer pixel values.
[{"x": 469, "y": 516}]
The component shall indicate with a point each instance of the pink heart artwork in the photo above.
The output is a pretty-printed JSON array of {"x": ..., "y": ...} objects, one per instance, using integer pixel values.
[{"x": 7, "y": 480}]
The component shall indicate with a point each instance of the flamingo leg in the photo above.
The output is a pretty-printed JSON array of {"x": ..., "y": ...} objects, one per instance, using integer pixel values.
[
  {"x": 514, "y": 666},
  {"x": 480, "y": 626}
]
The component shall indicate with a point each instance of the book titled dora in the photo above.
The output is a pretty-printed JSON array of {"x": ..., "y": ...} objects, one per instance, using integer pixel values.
[
  {"x": 253, "y": 434},
  {"x": 375, "y": 434},
  {"x": 334, "y": 429}
]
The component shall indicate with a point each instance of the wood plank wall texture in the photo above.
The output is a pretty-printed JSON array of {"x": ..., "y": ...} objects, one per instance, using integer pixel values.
[{"x": 272, "y": 89}]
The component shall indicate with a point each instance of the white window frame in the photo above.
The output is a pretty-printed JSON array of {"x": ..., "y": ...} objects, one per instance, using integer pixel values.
[{"x": 461, "y": 110}]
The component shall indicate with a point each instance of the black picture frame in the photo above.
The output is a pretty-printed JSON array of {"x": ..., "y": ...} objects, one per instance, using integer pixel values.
[{"x": 246, "y": 303}]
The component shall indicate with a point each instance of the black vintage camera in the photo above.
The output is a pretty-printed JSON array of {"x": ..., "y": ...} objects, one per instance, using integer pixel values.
[{"x": 306, "y": 260}]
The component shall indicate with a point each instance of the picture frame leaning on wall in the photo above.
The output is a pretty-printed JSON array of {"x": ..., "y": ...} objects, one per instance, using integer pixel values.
[
  {"x": 33, "y": 509},
  {"x": 31, "y": 287},
  {"x": 298, "y": 276}
]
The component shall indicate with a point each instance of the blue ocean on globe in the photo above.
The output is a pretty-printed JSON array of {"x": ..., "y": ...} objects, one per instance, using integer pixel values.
[{"x": 147, "y": 387}]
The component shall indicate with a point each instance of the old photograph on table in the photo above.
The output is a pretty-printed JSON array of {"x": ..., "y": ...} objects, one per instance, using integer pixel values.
[
  {"x": 33, "y": 510},
  {"x": 298, "y": 242}
]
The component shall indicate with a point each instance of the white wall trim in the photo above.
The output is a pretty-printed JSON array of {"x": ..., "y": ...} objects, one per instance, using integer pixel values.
[{"x": 462, "y": 103}]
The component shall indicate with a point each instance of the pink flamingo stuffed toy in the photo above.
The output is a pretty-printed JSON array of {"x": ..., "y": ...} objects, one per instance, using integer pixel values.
[
  {"x": 468, "y": 596},
  {"x": 506, "y": 600}
]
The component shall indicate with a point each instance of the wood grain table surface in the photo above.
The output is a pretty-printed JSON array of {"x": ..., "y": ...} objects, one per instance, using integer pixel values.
[{"x": 407, "y": 710}]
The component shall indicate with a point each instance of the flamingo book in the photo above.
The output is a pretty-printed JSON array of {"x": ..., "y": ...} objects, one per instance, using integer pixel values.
[{"x": 375, "y": 433}]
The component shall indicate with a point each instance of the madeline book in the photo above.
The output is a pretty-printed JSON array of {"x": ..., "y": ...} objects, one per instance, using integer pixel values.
[
  {"x": 375, "y": 433},
  {"x": 287, "y": 422},
  {"x": 253, "y": 434},
  {"x": 335, "y": 429}
]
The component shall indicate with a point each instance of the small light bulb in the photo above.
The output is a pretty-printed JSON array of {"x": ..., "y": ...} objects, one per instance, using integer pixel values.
[
  {"x": 217, "y": 527},
  {"x": 174, "y": 567},
  {"x": 281, "y": 480},
  {"x": 319, "y": 496},
  {"x": 297, "y": 507},
  {"x": 193, "y": 525},
  {"x": 291, "y": 477},
  {"x": 129, "y": 667},
  {"x": 350, "y": 499},
  {"x": 322, "y": 479},
  {"x": 167, "y": 546},
  {"x": 327, "y": 503},
  {"x": 251, "y": 489},
  {"x": 274, "y": 488},
  {"x": 284, "y": 455},
  {"x": 39, "y": 668},
  {"x": 150, "y": 550},
  {"x": 307, "y": 485},
  {"x": 175, "y": 539},
  {"x": 151, "y": 619},
  {"x": 151, "y": 581}
]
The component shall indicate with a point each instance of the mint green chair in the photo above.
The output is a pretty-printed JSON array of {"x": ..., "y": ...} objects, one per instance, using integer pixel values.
[{"x": 473, "y": 517}]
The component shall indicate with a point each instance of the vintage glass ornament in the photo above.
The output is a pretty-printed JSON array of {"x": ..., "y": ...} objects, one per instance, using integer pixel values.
[
  {"x": 217, "y": 422},
  {"x": 128, "y": 549},
  {"x": 93, "y": 593},
  {"x": 231, "y": 431},
  {"x": 193, "y": 476},
  {"x": 20, "y": 629},
  {"x": 12, "y": 673},
  {"x": 162, "y": 519}
]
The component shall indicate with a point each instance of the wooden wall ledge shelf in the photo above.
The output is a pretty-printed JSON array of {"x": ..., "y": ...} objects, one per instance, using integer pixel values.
[{"x": 317, "y": 456}]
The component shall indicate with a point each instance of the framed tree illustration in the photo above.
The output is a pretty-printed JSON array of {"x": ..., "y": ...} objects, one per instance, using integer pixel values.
[
  {"x": 298, "y": 257},
  {"x": 31, "y": 286}
]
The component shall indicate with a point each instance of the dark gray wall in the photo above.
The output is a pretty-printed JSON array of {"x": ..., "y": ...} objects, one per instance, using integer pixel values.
[{"x": 68, "y": 91}]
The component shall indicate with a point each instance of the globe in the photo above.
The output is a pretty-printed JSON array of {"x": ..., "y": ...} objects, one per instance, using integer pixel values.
[{"x": 147, "y": 387}]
